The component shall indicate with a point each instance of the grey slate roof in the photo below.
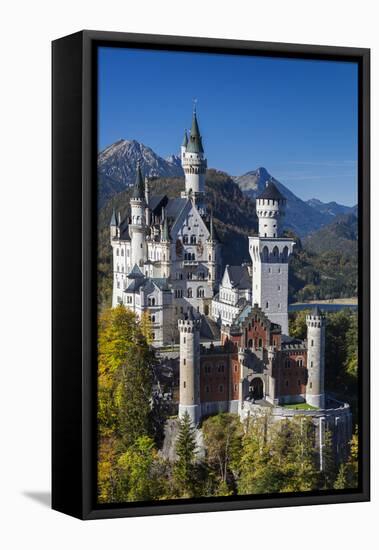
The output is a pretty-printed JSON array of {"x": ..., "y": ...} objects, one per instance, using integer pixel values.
[
  {"x": 156, "y": 202},
  {"x": 174, "y": 207},
  {"x": 135, "y": 273},
  {"x": 113, "y": 218},
  {"x": 271, "y": 192},
  {"x": 195, "y": 144},
  {"x": 139, "y": 186},
  {"x": 185, "y": 139},
  {"x": 239, "y": 276}
]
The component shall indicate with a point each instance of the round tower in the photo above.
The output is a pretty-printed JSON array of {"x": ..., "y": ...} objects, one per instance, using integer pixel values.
[
  {"x": 193, "y": 161},
  {"x": 316, "y": 358},
  {"x": 189, "y": 369},
  {"x": 137, "y": 227},
  {"x": 270, "y": 207}
]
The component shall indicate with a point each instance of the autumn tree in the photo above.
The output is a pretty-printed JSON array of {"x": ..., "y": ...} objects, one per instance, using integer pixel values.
[
  {"x": 124, "y": 390},
  {"x": 348, "y": 473}
]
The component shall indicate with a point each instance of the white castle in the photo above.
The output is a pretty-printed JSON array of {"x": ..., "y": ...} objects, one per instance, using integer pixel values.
[
  {"x": 166, "y": 257},
  {"x": 167, "y": 262}
]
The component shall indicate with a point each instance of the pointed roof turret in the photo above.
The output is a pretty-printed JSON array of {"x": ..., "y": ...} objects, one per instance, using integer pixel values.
[
  {"x": 185, "y": 139},
  {"x": 139, "y": 186},
  {"x": 316, "y": 311},
  {"x": 113, "y": 219},
  {"x": 271, "y": 192},
  {"x": 195, "y": 144}
]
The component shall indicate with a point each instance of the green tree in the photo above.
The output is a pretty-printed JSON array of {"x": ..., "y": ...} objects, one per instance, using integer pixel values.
[
  {"x": 185, "y": 465},
  {"x": 222, "y": 438},
  {"x": 258, "y": 472},
  {"x": 137, "y": 479},
  {"x": 297, "y": 324}
]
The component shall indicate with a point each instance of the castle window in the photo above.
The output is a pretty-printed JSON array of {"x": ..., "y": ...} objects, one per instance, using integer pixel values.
[
  {"x": 141, "y": 245},
  {"x": 117, "y": 252},
  {"x": 122, "y": 252},
  {"x": 185, "y": 239},
  {"x": 310, "y": 385},
  {"x": 184, "y": 384},
  {"x": 193, "y": 239},
  {"x": 287, "y": 383},
  {"x": 299, "y": 362},
  {"x": 312, "y": 342},
  {"x": 118, "y": 284},
  {"x": 269, "y": 269},
  {"x": 235, "y": 387},
  {"x": 189, "y": 293},
  {"x": 207, "y": 389},
  {"x": 250, "y": 343},
  {"x": 184, "y": 361},
  {"x": 260, "y": 342},
  {"x": 235, "y": 368},
  {"x": 184, "y": 340},
  {"x": 221, "y": 388},
  {"x": 311, "y": 363},
  {"x": 266, "y": 305},
  {"x": 153, "y": 318},
  {"x": 220, "y": 368},
  {"x": 278, "y": 287},
  {"x": 200, "y": 292},
  {"x": 153, "y": 335}
]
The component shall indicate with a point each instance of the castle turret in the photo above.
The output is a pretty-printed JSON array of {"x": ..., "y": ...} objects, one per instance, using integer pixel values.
[
  {"x": 269, "y": 252},
  {"x": 270, "y": 206},
  {"x": 194, "y": 165},
  {"x": 166, "y": 246},
  {"x": 137, "y": 228},
  {"x": 316, "y": 358},
  {"x": 113, "y": 226},
  {"x": 213, "y": 255},
  {"x": 189, "y": 369},
  {"x": 183, "y": 147}
]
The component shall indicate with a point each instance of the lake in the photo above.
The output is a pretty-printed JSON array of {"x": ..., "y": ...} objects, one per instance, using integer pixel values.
[{"x": 323, "y": 306}]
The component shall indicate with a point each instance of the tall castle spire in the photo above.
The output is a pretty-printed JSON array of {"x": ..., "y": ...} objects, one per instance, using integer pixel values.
[{"x": 194, "y": 164}]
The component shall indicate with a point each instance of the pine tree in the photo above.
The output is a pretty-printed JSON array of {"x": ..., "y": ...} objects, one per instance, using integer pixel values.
[{"x": 185, "y": 467}]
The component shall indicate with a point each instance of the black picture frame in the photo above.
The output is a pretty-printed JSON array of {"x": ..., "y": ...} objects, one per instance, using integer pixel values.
[{"x": 74, "y": 151}]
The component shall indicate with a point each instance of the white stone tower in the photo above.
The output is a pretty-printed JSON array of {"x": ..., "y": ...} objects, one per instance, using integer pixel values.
[
  {"x": 194, "y": 164},
  {"x": 269, "y": 252},
  {"x": 316, "y": 358},
  {"x": 137, "y": 228},
  {"x": 189, "y": 369}
]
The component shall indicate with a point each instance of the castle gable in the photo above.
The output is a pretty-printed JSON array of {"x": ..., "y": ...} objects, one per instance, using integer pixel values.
[{"x": 189, "y": 216}]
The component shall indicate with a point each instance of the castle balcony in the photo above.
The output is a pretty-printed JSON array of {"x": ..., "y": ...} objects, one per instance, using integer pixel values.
[{"x": 186, "y": 263}]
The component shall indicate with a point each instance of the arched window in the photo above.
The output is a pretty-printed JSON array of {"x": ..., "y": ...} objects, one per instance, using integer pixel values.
[
  {"x": 275, "y": 253},
  {"x": 189, "y": 293},
  {"x": 193, "y": 239},
  {"x": 122, "y": 252},
  {"x": 185, "y": 239},
  {"x": 117, "y": 252},
  {"x": 299, "y": 362},
  {"x": 264, "y": 254},
  {"x": 285, "y": 254},
  {"x": 193, "y": 257},
  {"x": 200, "y": 292}
]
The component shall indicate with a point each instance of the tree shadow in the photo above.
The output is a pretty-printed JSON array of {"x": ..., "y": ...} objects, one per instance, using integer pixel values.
[{"x": 42, "y": 497}]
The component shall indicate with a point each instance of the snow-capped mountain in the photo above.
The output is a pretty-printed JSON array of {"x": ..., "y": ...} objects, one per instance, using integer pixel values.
[
  {"x": 119, "y": 161},
  {"x": 300, "y": 216}
]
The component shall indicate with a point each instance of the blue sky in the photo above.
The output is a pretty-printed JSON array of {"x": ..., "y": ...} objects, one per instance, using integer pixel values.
[{"x": 296, "y": 118}]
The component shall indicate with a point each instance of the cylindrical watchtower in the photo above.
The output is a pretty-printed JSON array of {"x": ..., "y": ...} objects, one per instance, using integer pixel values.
[
  {"x": 316, "y": 358},
  {"x": 270, "y": 207},
  {"x": 189, "y": 369}
]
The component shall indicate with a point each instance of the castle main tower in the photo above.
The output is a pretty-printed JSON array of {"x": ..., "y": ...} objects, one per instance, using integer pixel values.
[
  {"x": 137, "y": 228},
  {"x": 189, "y": 369},
  {"x": 194, "y": 164},
  {"x": 316, "y": 358},
  {"x": 269, "y": 252}
]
